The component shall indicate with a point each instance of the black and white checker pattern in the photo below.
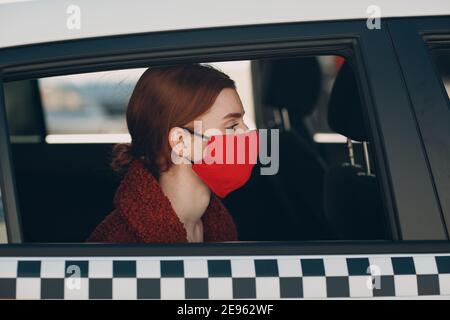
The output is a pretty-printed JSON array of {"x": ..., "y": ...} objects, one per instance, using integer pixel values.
[{"x": 256, "y": 277}]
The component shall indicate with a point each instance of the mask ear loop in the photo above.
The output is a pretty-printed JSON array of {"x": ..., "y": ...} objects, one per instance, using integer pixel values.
[
  {"x": 204, "y": 137},
  {"x": 201, "y": 135}
]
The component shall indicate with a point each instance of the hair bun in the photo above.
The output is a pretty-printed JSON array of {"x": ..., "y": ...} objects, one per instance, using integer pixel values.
[{"x": 121, "y": 158}]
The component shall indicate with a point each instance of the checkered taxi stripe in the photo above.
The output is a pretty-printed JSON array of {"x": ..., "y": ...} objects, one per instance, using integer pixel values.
[{"x": 225, "y": 277}]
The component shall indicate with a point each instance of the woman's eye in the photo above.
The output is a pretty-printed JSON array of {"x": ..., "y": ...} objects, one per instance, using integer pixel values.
[{"x": 232, "y": 127}]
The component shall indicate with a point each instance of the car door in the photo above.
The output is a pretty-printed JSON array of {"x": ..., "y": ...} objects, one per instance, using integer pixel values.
[
  {"x": 414, "y": 262},
  {"x": 415, "y": 41}
]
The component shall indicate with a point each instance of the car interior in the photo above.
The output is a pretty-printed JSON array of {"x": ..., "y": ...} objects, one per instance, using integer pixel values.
[{"x": 324, "y": 190}]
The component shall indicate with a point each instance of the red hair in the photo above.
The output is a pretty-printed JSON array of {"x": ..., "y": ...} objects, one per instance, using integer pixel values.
[{"x": 166, "y": 97}]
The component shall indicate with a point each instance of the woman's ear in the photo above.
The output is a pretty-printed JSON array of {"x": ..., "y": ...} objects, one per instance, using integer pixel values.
[{"x": 179, "y": 141}]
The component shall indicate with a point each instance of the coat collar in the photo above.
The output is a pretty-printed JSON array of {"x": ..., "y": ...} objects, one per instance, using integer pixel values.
[{"x": 147, "y": 209}]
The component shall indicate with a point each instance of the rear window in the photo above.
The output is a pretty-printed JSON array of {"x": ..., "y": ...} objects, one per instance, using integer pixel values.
[{"x": 91, "y": 107}]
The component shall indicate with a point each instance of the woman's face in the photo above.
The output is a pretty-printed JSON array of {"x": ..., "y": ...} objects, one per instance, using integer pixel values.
[
  {"x": 225, "y": 116},
  {"x": 227, "y": 112}
]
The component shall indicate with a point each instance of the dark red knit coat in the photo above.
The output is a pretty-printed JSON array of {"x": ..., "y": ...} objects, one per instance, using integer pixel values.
[{"x": 143, "y": 214}]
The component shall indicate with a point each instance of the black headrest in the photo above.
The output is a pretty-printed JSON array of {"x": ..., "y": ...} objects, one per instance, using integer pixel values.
[
  {"x": 353, "y": 204},
  {"x": 292, "y": 83},
  {"x": 345, "y": 115}
]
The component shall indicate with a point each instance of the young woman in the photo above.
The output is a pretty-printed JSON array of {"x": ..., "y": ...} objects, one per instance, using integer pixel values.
[{"x": 166, "y": 194}]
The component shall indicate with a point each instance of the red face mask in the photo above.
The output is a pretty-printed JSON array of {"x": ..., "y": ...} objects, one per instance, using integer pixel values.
[{"x": 228, "y": 161}]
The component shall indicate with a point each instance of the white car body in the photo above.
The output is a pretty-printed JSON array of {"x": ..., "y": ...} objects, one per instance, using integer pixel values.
[{"x": 52, "y": 20}]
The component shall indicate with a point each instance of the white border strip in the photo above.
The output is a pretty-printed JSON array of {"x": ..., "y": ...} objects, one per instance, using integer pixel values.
[
  {"x": 329, "y": 138},
  {"x": 88, "y": 138}
]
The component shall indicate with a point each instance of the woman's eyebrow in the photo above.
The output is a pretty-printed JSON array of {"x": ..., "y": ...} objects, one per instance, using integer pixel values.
[{"x": 234, "y": 115}]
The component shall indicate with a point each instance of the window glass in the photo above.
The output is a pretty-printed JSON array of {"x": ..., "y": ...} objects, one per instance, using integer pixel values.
[{"x": 322, "y": 184}]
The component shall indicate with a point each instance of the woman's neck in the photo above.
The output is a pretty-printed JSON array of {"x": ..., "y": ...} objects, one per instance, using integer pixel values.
[{"x": 189, "y": 198}]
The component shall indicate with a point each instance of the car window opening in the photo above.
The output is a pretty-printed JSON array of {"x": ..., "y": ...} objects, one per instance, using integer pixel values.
[{"x": 63, "y": 130}]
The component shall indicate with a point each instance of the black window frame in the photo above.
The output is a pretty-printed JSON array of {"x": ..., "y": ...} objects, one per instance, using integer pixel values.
[
  {"x": 383, "y": 88},
  {"x": 414, "y": 39}
]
